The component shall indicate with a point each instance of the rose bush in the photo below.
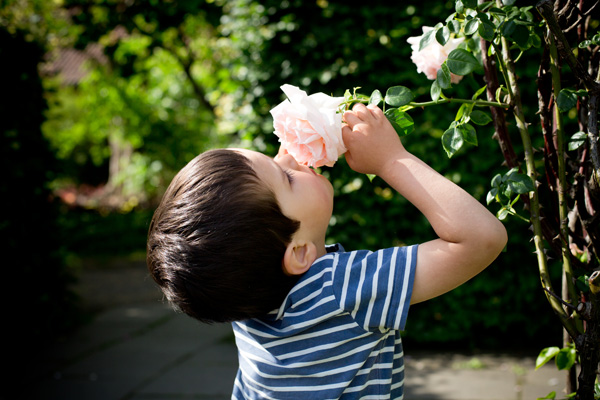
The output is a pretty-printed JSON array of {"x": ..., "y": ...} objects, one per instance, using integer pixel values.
[
  {"x": 309, "y": 127},
  {"x": 430, "y": 58}
]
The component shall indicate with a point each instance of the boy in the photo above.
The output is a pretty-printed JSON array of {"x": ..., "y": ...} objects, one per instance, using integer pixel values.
[{"x": 241, "y": 237}]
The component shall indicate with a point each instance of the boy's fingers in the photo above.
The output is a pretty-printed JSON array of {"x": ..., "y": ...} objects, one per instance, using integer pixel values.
[
  {"x": 351, "y": 118},
  {"x": 375, "y": 110},
  {"x": 361, "y": 111},
  {"x": 346, "y": 133}
]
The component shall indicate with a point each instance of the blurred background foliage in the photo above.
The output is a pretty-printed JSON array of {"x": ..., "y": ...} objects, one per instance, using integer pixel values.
[{"x": 90, "y": 150}]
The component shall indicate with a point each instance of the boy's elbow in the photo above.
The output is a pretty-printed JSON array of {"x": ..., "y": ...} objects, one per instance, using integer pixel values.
[{"x": 495, "y": 238}]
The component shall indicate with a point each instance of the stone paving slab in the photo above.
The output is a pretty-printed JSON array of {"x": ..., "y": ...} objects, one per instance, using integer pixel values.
[
  {"x": 139, "y": 349},
  {"x": 155, "y": 354}
]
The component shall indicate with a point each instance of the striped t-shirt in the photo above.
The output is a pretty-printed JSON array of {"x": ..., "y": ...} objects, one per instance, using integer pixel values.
[{"x": 336, "y": 335}]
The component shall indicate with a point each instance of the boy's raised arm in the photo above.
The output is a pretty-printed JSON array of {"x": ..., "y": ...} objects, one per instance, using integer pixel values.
[{"x": 470, "y": 237}]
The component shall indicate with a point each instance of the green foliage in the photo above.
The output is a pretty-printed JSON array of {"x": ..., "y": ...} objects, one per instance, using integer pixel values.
[
  {"x": 398, "y": 96},
  {"x": 565, "y": 358},
  {"x": 507, "y": 189},
  {"x": 461, "y": 62},
  {"x": 185, "y": 76}
]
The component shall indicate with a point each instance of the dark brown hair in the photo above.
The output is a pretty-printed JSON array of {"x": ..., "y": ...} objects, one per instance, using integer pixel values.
[{"x": 217, "y": 240}]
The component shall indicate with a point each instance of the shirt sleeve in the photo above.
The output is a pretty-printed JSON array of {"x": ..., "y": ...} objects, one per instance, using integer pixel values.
[{"x": 376, "y": 287}]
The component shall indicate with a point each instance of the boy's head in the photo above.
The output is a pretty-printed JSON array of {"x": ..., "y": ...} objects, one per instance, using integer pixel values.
[{"x": 225, "y": 244}]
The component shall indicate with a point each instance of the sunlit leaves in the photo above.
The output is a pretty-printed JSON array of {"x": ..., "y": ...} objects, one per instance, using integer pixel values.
[
  {"x": 480, "y": 117},
  {"x": 486, "y": 30},
  {"x": 398, "y": 96},
  {"x": 444, "y": 78},
  {"x": 442, "y": 35},
  {"x": 452, "y": 139},
  {"x": 507, "y": 189},
  {"x": 461, "y": 62},
  {"x": 471, "y": 26},
  {"x": 426, "y": 39},
  {"x": 375, "y": 97},
  {"x": 546, "y": 355},
  {"x": 435, "y": 91},
  {"x": 595, "y": 40},
  {"x": 565, "y": 357},
  {"x": 577, "y": 140},
  {"x": 400, "y": 120}
]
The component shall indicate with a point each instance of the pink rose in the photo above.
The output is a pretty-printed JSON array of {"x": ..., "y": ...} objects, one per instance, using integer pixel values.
[
  {"x": 309, "y": 127},
  {"x": 430, "y": 59}
]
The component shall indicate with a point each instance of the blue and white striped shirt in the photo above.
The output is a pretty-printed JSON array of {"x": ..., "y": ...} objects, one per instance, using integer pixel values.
[{"x": 336, "y": 335}]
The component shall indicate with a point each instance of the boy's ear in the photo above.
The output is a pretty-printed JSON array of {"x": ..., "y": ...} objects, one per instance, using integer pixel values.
[{"x": 299, "y": 257}]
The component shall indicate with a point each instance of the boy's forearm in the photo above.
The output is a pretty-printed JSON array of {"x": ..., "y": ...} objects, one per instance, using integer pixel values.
[{"x": 454, "y": 214}]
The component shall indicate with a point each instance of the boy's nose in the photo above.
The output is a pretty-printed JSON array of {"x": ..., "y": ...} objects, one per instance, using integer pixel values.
[{"x": 286, "y": 160}]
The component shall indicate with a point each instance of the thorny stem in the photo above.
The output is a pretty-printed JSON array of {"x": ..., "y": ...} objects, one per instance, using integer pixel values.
[
  {"x": 546, "y": 10},
  {"x": 500, "y": 129},
  {"x": 533, "y": 195},
  {"x": 502, "y": 66},
  {"x": 476, "y": 103},
  {"x": 562, "y": 181}
]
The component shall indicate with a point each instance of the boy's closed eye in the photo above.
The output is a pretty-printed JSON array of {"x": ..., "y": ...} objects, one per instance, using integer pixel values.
[{"x": 290, "y": 175}]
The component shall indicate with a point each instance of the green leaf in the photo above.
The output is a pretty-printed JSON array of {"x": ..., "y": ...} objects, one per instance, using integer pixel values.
[
  {"x": 520, "y": 36},
  {"x": 400, "y": 120},
  {"x": 549, "y": 396},
  {"x": 480, "y": 118},
  {"x": 546, "y": 355},
  {"x": 398, "y": 96},
  {"x": 469, "y": 133},
  {"x": 535, "y": 40},
  {"x": 461, "y": 62},
  {"x": 452, "y": 141},
  {"x": 426, "y": 39},
  {"x": 461, "y": 111},
  {"x": 347, "y": 95},
  {"x": 566, "y": 100},
  {"x": 442, "y": 35},
  {"x": 502, "y": 214},
  {"x": 486, "y": 30},
  {"x": 484, "y": 5},
  {"x": 470, "y": 3},
  {"x": 519, "y": 183},
  {"x": 577, "y": 140},
  {"x": 376, "y": 97},
  {"x": 436, "y": 91},
  {"x": 566, "y": 358},
  {"x": 479, "y": 92},
  {"x": 582, "y": 283},
  {"x": 491, "y": 196},
  {"x": 459, "y": 6},
  {"x": 496, "y": 181},
  {"x": 499, "y": 92},
  {"x": 444, "y": 79},
  {"x": 508, "y": 28},
  {"x": 454, "y": 26},
  {"x": 471, "y": 26}
]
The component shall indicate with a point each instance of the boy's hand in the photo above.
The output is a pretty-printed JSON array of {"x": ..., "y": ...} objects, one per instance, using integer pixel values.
[
  {"x": 469, "y": 236},
  {"x": 370, "y": 139}
]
